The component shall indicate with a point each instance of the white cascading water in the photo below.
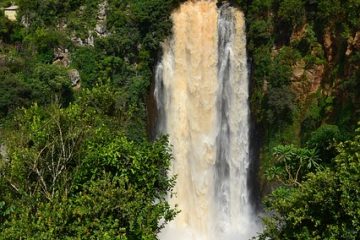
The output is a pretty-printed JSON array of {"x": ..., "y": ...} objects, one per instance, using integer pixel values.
[{"x": 202, "y": 98}]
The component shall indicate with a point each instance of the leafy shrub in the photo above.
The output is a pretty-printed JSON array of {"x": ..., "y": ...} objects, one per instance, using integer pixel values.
[
  {"x": 280, "y": 106},
  {"x": 324, "y": 206},
  {"x": 69, "y": 174},
  {"x": 323, "y": 140}
]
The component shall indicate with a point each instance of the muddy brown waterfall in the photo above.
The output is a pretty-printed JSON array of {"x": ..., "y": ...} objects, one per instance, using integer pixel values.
[{"x": 202, "y": 97}]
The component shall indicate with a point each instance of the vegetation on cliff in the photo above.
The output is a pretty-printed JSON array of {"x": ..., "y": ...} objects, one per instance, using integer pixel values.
[{"x": 306, "y": 102}]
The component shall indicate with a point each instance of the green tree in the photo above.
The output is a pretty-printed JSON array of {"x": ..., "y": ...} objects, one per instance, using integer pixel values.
[
  {"x": 323, "y": 140},
  {"x": 291, "y": 164},
  {"x": 69, "y": 174},
  {"x": 13, "y": 93},
  {"x": 292, "y": 11},
  {"x": 326, "y": 204},
  {"x": 280, "y": 106}
]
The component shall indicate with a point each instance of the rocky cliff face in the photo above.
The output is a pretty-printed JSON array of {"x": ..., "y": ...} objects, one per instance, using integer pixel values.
[
  {"x": 353, "y": 44},
  {"x": 306, "y": 81},
  {"x": 306, "y": 70},
  {"x": 100, "y": 27},
  {"x": 310, "y": 77},
  {"x": 61, "y": 57},
  {"x": 75, "y": 78}
]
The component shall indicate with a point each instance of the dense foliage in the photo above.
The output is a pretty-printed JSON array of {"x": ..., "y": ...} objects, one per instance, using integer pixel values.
[
  {"x": 68, "y": 174},
  {"x": 323, "y": 204},
  {"x": 287, "y": 36},
  {"x": 75, "y": 161},
  {"x": 305, "y": 99}
]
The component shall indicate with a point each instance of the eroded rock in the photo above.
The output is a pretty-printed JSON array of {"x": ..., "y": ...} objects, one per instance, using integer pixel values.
[
  {"x": 100, "y": 28},
  {"x": 75, "y": 78},
  {"x": 314, "y": 76},
  {"x": 3, "y": 153},
  {"x": 328, "y": 44},
  {"x": 62, "y": 57},
  {"x": 299, "y": 34},
  {"x": 306, "y": 80},
  {"x": 353, "y": 43}
]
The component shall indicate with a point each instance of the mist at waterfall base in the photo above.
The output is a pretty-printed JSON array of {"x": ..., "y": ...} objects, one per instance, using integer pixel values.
[{"x": 202, "y": 99}]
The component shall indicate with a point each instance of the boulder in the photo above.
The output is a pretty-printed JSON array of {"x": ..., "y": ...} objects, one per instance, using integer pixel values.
[
  {"x": 75, "y": 78},
  {"x": 62, "y": 57}
]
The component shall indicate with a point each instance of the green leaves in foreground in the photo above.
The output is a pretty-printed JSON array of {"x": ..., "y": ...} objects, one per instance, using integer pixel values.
[
  {"x": 69, "y": 175},
  {"x": 325, "y": 206},
  {"x": 291, "y": 164}
]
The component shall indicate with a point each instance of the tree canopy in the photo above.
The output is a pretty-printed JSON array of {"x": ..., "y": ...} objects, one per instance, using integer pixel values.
[{"x": 324, "y": 205}]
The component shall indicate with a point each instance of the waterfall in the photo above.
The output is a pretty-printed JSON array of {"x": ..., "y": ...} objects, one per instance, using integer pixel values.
[{"x": 201, "y": 90}]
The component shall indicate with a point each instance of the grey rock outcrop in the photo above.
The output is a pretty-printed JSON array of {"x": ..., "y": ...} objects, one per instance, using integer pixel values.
[
  {"x": 61, "y": 57},
  {"x": 75, "y": 78},
  {"x": 3, "y": 153},
  {"x": 100, "y": 27}
]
